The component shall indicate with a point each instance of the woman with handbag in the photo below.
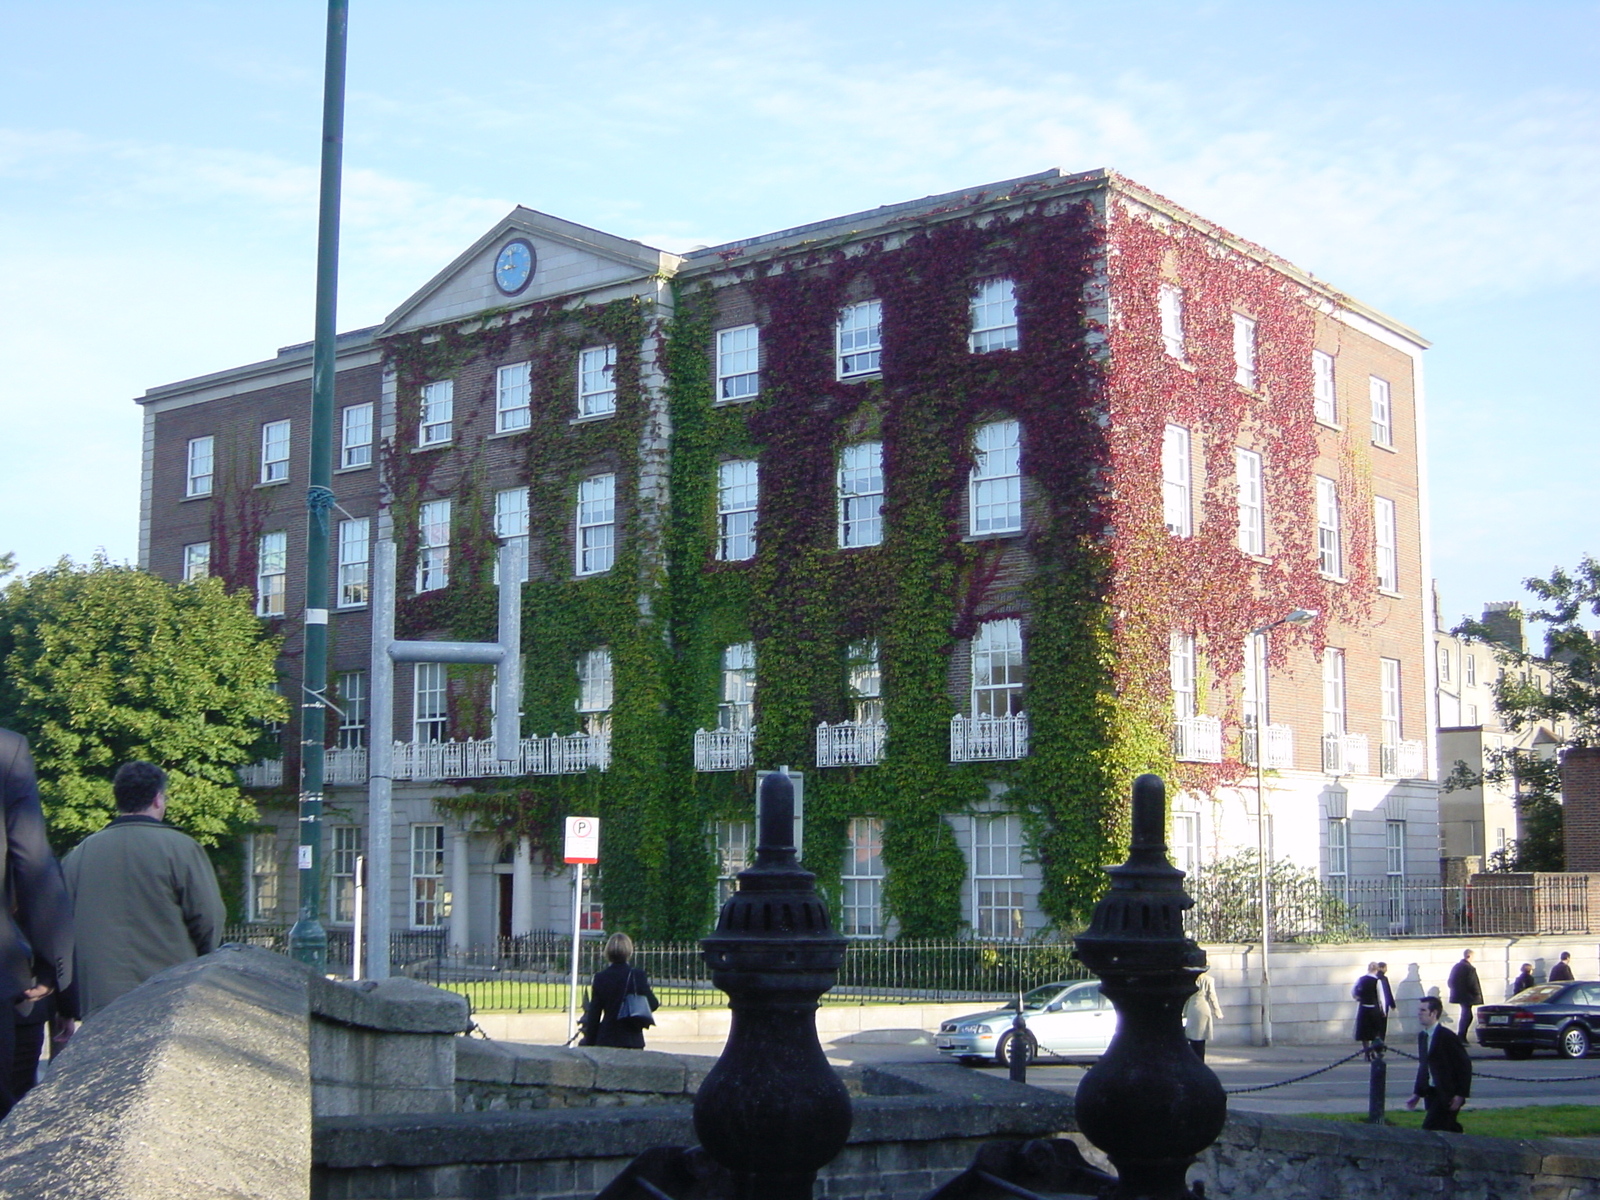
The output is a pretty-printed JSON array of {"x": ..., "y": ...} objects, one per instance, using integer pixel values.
[{"x": 620, "y": 1001}]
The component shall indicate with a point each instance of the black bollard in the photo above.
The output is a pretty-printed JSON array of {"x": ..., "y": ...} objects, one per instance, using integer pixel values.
[
  {"x": 1377, "y": 1082},
  {"x": 1018, "y": 1051},
  {"x": 773, "y": 1111},
  {"x": 1149, "y": 1103}
]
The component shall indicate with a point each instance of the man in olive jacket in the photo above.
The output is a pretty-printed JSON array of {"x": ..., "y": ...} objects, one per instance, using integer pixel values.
[{"x": 144, "y": 894}]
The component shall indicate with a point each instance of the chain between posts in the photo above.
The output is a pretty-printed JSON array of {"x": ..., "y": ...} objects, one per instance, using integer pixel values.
[{"x": 1477, "y": 1074}]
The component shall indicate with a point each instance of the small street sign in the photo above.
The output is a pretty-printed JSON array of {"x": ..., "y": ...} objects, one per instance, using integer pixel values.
[{"x": 583, "y": 840}]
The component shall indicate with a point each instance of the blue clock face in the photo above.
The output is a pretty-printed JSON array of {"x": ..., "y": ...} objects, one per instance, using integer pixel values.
[{"x": 513, "y": 267}]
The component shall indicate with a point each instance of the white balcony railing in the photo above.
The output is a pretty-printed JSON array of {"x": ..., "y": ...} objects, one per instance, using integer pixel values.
[
  {"x": 724, "y": 749},
  {"x": 1402, "y": 760},
  {"x": 1344, "y": 754},
  {"x": 1280, "y": 747},
  {"x": 1197, "y": 739},
  {"x": 558, "y": 754},
  {"x": 851, "y": 743},
  {"x": 346, "y": 766},
  {"x": 988, "y": 739},
  {"x": 264, "y": 774}
]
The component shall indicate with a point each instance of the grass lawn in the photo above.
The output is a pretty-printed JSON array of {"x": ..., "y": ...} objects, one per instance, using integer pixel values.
[{"x": 1533, "y": 1121}]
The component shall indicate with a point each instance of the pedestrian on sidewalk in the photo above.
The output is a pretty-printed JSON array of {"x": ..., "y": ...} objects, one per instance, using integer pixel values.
[
  {"x": 1386, "y": 1003},
  {"x": 1562, "y": 971},
  {"x": 620, "y": 985},
  {"x": 1523, "y": 981},
  {"x": 1370, "y": 1016},
  {"x": 1465, "y": 990},
  {"x": 1200, "y": 1013},
  {"x": 1444, "y": 1072}
]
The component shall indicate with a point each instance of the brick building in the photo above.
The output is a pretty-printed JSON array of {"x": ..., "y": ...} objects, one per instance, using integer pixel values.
[{"x": 966, "y": 508}]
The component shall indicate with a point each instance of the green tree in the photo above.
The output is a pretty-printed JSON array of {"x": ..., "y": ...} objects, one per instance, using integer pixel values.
[
  {"x": 100, "y": 664},
  {"x": 1568, "y": 703}
]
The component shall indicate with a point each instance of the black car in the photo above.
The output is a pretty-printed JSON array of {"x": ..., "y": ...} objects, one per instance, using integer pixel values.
[{"x": 1564, "y": 1017}]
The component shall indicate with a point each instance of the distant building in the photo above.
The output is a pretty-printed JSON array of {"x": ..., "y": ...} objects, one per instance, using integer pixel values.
[
  {"x": 965, "y": 507},
  {"x": 1481, "y": 820}
]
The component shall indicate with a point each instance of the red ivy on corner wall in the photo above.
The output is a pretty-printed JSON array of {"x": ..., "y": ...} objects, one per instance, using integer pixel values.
[{"x": 1204, "y": 584}]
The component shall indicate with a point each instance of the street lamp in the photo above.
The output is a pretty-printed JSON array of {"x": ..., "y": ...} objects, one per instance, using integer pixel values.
[{"x": 1301, "y": 617}]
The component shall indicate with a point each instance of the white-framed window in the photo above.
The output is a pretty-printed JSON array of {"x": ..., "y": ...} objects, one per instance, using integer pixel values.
[
  {"x": 430, "y": 703},
  {"x": 511, "y": 524},
  {"x": 595, "y": 689},
  {"x": 858, "y": 339},
  {"x": 1469, "y": 713},
  {"x": 1177, "y": 510},
  {"x": 1382, "y": 412},
  {"x": 737, "y": 710},
  {"x": 1180, "y": 670},
  {"x": 344, "y": 845},
  {"x": 738, "y": 490},
  {"x": 597, "y": 381},
  {"x": 513, "y": 397},
  {"x": 1339, "y": 855},
  {"x": 355, "y": 436},
  {"x": 994, "y": 317},
  {"x": 1384, "y": 536},
  {"x": 861, "y": 879},
  {"x": 1330, "y": 554},
  {"x": 1333, "y": 712},
  {"x": 994, "y": 489},
  {"x": 1324, "y": 399},
  {"x": 1244, "y": 351},
  {"x": 263, "y": 876},
  {"x": 272, "y": 573},
  {"x": 433, "y": 546},
  {"x": 1389, "y": 701},
  {"x": 275, "y": 451},
  {"x": 1170, "y": 297},
  {"x": 865, "y": 680},
  {"x": 199, "y": 466},
  {"x": 998, "y": 670},
  {"x": 861, "y": 495},
  {"x": 1186, "y": 843},
  {"x": 196, "y": 561},
  {"x": 597, "y": 524},
  {"x": 1444, "y": 664},
  {"x": 738, "y": 363},
  {"x": 438, "y": 422},
  {"x": 355, "y": 554},
  {"x": 352, "y": 698},
  {"x": 427, "y": 876},
  {"x": 1252, "y": 517},
  {"x": 1470, "y": 669},
  {"x": 1394, "y": 855},
  {"x": 997, "y": 877},
  {"x": 734, "y": 842}
]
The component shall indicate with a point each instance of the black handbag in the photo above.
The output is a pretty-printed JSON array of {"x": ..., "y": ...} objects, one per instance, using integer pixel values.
[{"x": 634, "y": 1011}]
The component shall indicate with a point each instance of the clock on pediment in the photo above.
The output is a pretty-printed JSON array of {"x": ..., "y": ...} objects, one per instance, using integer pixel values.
[{"x": 513, "y": 266}]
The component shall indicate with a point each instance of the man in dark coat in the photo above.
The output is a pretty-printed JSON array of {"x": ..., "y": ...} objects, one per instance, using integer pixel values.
[
  {"x": 1444, "y": 1072},
  {"x": 146, "y": 895},
  {"x": 36, "y": 936},
  {"x": 1562, "y": 971},
  {"x": 1465, "y": 989}
]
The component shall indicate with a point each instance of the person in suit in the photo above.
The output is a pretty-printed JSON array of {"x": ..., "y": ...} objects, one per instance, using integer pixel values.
[
  {"x": 1524, "y": 981},
  {"x": 600, "y": 1024},
  {"x": 1465, "y": 989},
  {"x": 36, "y": 938},
  {"x": 1444, "y": 1072},
  {"x": 1200, "y": 1014},
  {"x": 1562, "y": 971}
]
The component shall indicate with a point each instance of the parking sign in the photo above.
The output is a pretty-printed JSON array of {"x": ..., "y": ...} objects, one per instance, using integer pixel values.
[{"x": 583, "y": 840}]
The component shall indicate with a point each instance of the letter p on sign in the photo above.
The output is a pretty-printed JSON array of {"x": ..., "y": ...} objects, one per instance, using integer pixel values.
[{"x": 583, "y": 840}]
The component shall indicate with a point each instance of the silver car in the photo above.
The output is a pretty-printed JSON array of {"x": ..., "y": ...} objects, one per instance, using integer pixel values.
[{"x": 1069, "y": 1020}]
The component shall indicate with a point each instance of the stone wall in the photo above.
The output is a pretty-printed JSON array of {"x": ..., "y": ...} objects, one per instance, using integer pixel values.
[{"x": 496, "y": 1076}]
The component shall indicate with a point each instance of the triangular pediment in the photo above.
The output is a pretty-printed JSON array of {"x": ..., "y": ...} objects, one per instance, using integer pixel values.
[{"x": 566, "y": 260}]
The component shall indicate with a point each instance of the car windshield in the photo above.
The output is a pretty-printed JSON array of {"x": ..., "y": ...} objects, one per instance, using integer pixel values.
[
  {"x": 1541, "y": 993},
  {"x": 1036, "y": 1000}
]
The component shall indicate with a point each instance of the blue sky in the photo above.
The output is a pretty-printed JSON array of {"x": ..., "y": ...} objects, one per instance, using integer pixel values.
[{"x": 158, "y": 167}]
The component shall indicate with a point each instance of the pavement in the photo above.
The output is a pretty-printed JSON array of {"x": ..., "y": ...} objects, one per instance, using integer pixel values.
[{"x": 1498, "y": 1082}]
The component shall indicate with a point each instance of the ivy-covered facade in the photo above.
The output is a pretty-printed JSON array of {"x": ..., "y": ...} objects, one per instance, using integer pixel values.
[{"x": 963, "y": 509}]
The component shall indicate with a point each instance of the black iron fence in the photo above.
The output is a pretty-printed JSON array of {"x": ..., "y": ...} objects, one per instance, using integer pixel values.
[{"x": 1307, "y": 910}]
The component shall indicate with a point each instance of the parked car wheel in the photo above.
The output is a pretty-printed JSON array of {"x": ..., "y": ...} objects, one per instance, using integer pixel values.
[
  {"x": 1519, "y": 1051},
  {"x": 1574, "y": 1042},
  {"x": 1028, "y": 1047}
]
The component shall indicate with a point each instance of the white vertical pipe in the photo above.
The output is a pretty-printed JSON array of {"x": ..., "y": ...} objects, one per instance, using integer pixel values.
[
  {"x": 358, "y": 925},
  {"x": 460, "y": 894},
  {"x": 380, "y": 761},
  {"x": 577, "y": 933},
  {"x": 522, "y": 889}
]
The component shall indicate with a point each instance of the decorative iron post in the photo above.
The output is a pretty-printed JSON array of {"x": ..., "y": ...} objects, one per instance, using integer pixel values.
[
  {"x": 772, "y": 1110},
  {"x": 1149, "y": 1103}
]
